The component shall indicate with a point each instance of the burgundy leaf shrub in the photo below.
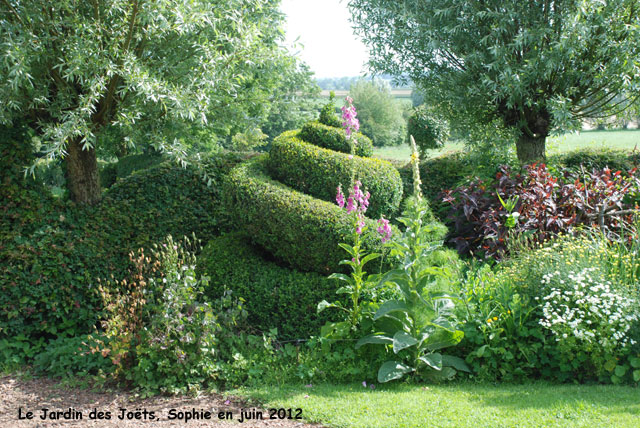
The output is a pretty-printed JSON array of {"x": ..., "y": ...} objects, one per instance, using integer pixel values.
[{"x": 546, "y": 205}]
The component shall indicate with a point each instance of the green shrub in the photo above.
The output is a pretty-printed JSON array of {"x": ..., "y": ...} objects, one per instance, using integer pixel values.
[
  {"x": 318, "y": 172},
  {"x": 328, "y": 114},
  {"x": 108, "y": 174},
  {"x": 590, "y": 159},
  {"x": 275, "y": 296},
  {"x": 429, "y": 131},
  {"x": 297, "y": 229},
  {"x": 438, "y": 174},
  {"x": 379, "y": 112},
  {"x": 335, "y": 139},
  {"x": 55, "y": 251},
  {"x": 564, "y": 311}
]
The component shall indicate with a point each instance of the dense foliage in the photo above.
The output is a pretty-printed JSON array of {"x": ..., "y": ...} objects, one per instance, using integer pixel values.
[
  {"x": 275, "y": 217},
  {"x": 275, "y": 296},
  {"x": 318, "y": 172},
  {"x": 540, "y": 205},
  {"x": 104, "y": 73},
  {"x": 428, "y": 130},
  {"x": 536, "y": 67},
  {"x": 60, "y": 250},
  {"x": 333, "y": 138},
  {"x": 567, "y": 311},
  {"x": 380, "y": 114}
]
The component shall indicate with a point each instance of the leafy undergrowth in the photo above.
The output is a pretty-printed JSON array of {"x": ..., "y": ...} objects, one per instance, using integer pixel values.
[{"x": 458, "y": 405}]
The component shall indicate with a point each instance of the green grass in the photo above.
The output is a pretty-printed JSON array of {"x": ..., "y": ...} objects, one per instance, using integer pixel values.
[
  {"x": 618, "y": 139},
  {"x": 459, "y": 405}
]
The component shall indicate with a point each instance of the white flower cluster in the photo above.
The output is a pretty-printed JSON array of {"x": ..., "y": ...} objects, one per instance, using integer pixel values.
[{"x": 582, "y": 307}]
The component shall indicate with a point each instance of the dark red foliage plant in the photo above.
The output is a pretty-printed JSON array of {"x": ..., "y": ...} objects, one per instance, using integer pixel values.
[{"x": 543, "y": 205}]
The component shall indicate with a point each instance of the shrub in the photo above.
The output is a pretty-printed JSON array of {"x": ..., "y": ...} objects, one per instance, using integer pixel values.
[
  {"x": 379, "y": 112},
  {"x": 127, "y": 165},
  {"x": 108, "y": 174},
  {"x": 318, "y": 172},
  {"x": 428, "y": 130},
  {"x": 297, "y": 229},
  {"x": 54, "y": 251},
  {"x": 162, "y": 334},
  {"x": 328, "y": 114},
  {"x": 275, "y": 296},
  {"x": 335, "y": 139},
  {"x": 590, "y": 159},
  {"x": 544, "y": 204},
  {"x": 438, "y": 174},
  {"x": 562, "y": 311}
]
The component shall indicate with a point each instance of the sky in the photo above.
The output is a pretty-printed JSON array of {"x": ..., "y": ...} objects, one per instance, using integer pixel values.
[{"x": 329, "y": 46}]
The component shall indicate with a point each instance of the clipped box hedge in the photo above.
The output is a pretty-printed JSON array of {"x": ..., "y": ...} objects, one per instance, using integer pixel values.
[
  {"x": 333, "y": 138},
  {"x": 295, "y": 228},
  {"x": 275, "y": 296},
  {"x": 318, "y": 172}
]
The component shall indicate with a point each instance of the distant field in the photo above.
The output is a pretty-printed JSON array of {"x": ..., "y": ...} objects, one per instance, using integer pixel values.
[
  {"x": 398, "y": 93},
  {"x": 619, "y": 139}
]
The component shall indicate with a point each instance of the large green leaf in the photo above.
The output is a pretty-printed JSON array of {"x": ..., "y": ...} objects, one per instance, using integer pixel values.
[
  {"x": 402, "y": 340},
  {"x": 443, "y": 339},
  {"x": 432, "y": 360},
  {"x": 340, "y": 276},
  {"x": 335, "y": 330},
  {"x": 388, "y": 307},
  {"x": 455, "y": 362},
  {"x": 376, "y": 339},
  {"x": 392, "y": 370},
  {"x": 368, "y": 258}
]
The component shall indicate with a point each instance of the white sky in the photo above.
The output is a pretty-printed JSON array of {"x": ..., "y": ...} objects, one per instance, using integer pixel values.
[{"x": 328, "y": 43}]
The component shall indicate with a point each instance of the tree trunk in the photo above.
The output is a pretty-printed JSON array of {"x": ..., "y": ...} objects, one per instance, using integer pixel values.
[
  {"x": 530, "y": 149},
  {"x": 83, "y": 180}
]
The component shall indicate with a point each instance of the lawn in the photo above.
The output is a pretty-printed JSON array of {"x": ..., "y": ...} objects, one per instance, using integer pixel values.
[
  {"x": 459, "y": 405},
  {"x": 618, "y": 139}
]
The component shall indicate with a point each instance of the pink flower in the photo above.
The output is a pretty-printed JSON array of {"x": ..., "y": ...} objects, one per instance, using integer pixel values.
[
  {"x": 384, "y": 229},
  {"x": 350, "y": 122},
  {"x": 364, "y": 383},
  {"x": 340, "y": 197},
  {"x": 350, "y": 157},
  {"x": 351, "y": 204}
]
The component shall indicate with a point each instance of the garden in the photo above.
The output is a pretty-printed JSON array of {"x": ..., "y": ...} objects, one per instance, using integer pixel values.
[{"x": 187, "y": 228}]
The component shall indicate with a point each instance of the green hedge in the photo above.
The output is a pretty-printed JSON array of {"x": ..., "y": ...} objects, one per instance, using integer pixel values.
[
  {"x": 275, "y": 296},
  {"x": 333, "y": 138},
  {"x": 318, "y": 172},
  {"x": 55, "y": 251},
  {"x": 615, "y": 159},
  {"x": 444, "y": 172},
  {"x": 297, "y": 229}
]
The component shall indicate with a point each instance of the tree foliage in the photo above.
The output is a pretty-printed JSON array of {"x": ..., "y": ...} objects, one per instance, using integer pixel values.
[
  {"x": 380, "y": 114},
  {"x": 138, "y": 71},
  {"x": 538, "y": 66}
]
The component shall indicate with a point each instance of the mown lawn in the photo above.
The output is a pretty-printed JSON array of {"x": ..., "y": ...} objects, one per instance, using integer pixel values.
[
  {"x": 618, "y": 139},
  {"x": 459, "y": 405}
]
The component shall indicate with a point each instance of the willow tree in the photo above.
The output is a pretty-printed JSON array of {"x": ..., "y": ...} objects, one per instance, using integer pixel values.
[
  {"x": 538, "y": 66},
  {"x": 153, "y": 69}
]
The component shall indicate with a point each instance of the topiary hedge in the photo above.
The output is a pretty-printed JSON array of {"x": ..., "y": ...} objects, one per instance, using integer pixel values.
[
  {"x": 438, "y": 174},
  {"x": 333, "y": 138},
  {"x": 53, "y": 252},
  {"x": 275, "y": 296},
  {"x": 318, "y": 172},
  {"x": 590, "y": 159},
  {"x": 297, "y": 229}
]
